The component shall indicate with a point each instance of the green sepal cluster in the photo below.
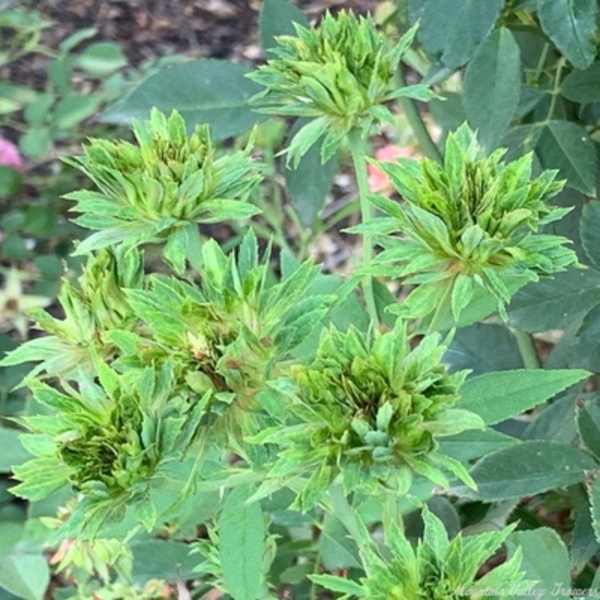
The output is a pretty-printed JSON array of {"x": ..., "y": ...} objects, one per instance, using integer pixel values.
[
  {"x": 108, "y": 438},
  {"x": 227, "y": 335},
  {"x": 92, "y": 307},
  {"x": 472, "y": 221},
  {"x": 151, "y": 191},
  {"x": 340, "y": 73},
  {"x": 371, "y": 409},
  {"x": 437, "y": 569}
]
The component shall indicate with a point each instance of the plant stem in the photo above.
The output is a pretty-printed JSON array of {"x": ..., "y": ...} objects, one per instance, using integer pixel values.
[
  {"x": 527, "y": 349},
  {"x": 360, "y": 169},
  {"x": 417, "y": 125}
]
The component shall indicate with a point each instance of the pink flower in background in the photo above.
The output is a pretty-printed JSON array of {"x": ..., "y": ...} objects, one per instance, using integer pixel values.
[
  {"x": 378, "y": 180},
  {"x": 9, "y": 155}
]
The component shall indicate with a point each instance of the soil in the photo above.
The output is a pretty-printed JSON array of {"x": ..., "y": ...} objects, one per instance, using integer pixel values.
[{"x": 148, "y": 29}]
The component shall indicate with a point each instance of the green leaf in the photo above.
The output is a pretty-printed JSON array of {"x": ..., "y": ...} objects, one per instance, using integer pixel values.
[
  {"x": 13, "y": 452},
  {"x": 451, "y": 30},
  {"x": 554, "y": 303},
  {"x": 277, "y": 18},
  {"x": 582, "y": 86},
  {"x": 337, "y": 584},
  {"x": 492, "y": 86},
  {"x": 585, "y": 348},
  {"x": 34, "y": 143},
  {"x": 101, "y": 59},
  {"x": 566, "y": 146},
  {"x": 161, "y": 559},
  {"x": 203, "y": 91},
  {"x": 496, "y": 397},
  {"x": 482, "y": 348},
  {"x": 594, "y": 496},
  {"x": 590, "y": 231},
  {"x": 309, "y": 183},
  {"x": 545, "y": 559},
  {"x": 40, "y": 477},
  {"x": 337, "y": 549},
  {"x": 588, "y": 424},
  {"x": 242, "y": 544},
  {"x": 583, "y": 540},
  {"x": 11, "y": 181},
  {"x": 571, "y": 25},
  {"x": 527, "y": 469},
  {"x": 74, "y": 108},
  {"x": 469, "y": 445},
  {"x": 25, "y": 575},
  {"x": 555, "y": 422}
]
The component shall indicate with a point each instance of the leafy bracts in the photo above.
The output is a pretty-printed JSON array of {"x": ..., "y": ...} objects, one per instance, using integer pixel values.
[
  {"x": 341, "y": 73},
  {"x": 92, "y": 308},
  {"x": 437, "y": 569},
  {"x": 228, "y": 335},
  {"x": 473, "y": 221},
  {"x": 371, "y": 409},
  {"x": 108, "y": 439},
  {"x": 152, "y": 191}
]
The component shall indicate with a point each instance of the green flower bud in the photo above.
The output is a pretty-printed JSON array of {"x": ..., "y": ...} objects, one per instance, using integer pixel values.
[
  {"x": 473, "y": 221},
  {"x": 341, "y": 72},
  {"x": 371, "y": 409},
  {"x": 438, "y": 568},
  {"x": 166, "y": 182},
  {"x": 93, "y": 306}
]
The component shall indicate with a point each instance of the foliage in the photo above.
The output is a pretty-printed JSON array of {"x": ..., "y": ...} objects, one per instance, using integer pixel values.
[{"x": 209, "y": 410}]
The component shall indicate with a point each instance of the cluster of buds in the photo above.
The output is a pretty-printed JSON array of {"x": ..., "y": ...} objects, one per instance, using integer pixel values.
[
  {"x": 168, "y": 180},
  {"x": 438, "y": 568},
  {"x": 473, "y": 221},
  {"x": 340, "y": 73},
  {"x": 372, "y": 410}
]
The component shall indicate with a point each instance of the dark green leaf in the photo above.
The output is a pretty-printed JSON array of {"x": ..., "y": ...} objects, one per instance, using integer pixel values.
[
  {"x": 482, "y": 348},
  {"x": 527, "y": 469},
  {"x": 588, "y": 424},
  {"x": 571, "y": 25},
  {"x": 582, "y": 86},
  {"x": 241, "y": 544},
  {"x": 590, "y": 231},
  {"x": 451, "y": 30},
  {"x": 492, "y": 86},
  {"x": 555, "y": 422},
  {"x": 277, "y": 18},
  {"x": 448, "y": 111},
  {"x": 594, "y": 496},
  {"x": 545, "y": 560},
  {"x": 309, "y": 183},
  {"x": 203, "y": 91},
  {"x": 496, "y": 397},
  {"x": 585, "y": 348},
  {"x": 468, "y": 445},
  {"x": 583, "y": 541},
  {"x": 566, "y": 146},
  {"x": 556, "y": 302},
  {"x": 162, "y": 559}
]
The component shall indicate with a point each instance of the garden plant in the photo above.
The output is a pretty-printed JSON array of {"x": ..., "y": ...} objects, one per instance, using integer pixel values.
[{"x": 212, "y": 409}]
